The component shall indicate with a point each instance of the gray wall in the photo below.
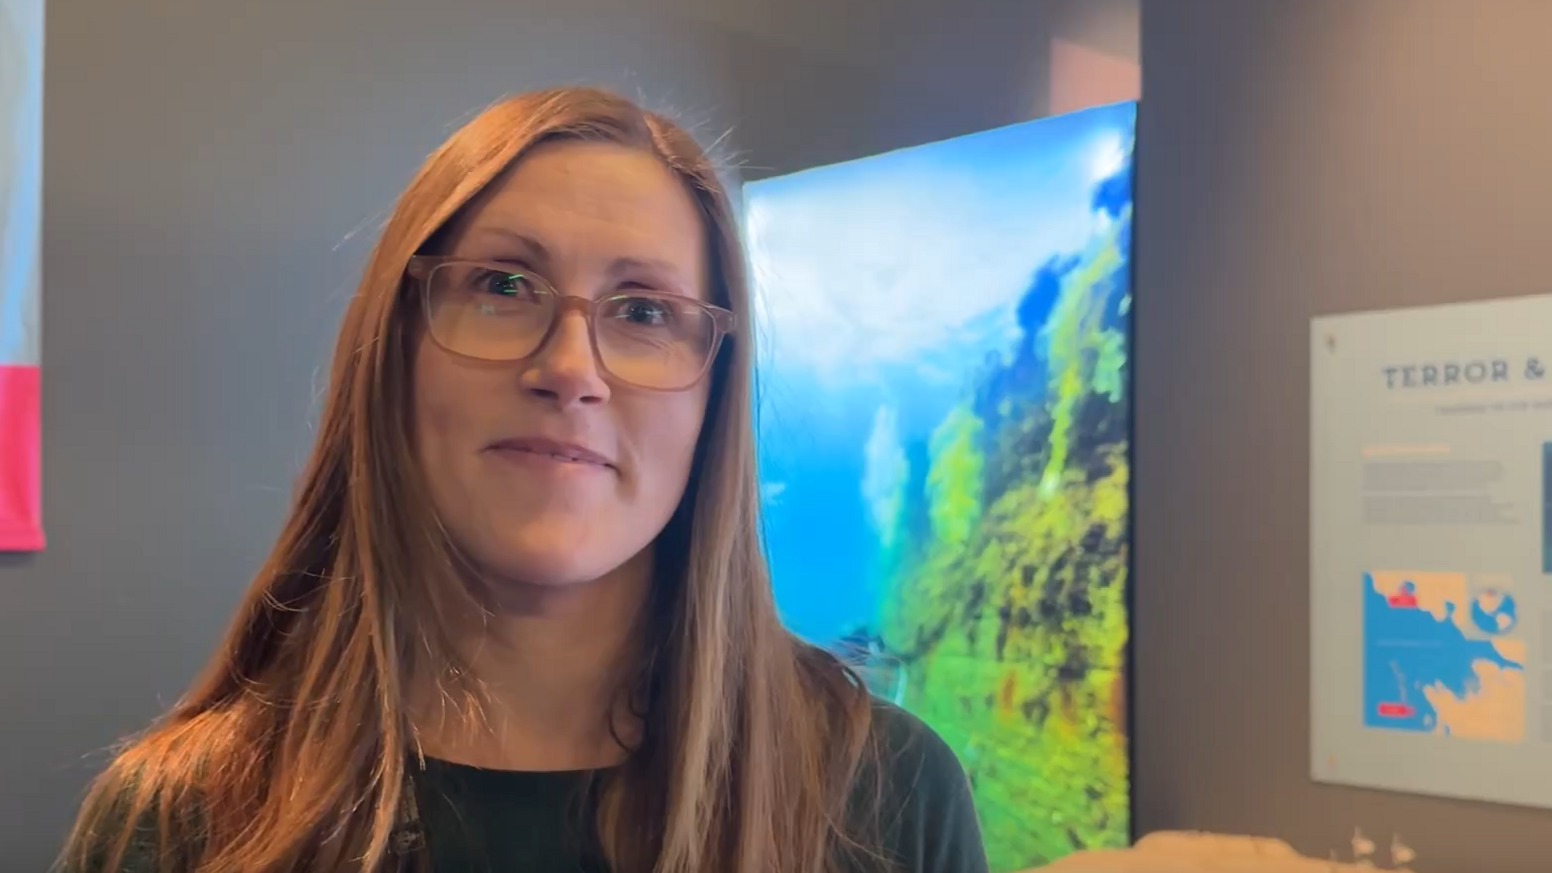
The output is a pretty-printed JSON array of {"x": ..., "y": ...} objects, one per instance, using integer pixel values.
[
  {"x": 215, "y": 171},
  {"x": 1302, "y": 157},
  {"x": 934, "y": 69}
]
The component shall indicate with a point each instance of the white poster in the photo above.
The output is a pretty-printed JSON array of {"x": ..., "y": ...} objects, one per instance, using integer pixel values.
[{"x": 1431, "y": 550}]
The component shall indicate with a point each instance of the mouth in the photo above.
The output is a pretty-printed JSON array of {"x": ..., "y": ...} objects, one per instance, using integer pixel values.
[{"x": 563, "y": 452}]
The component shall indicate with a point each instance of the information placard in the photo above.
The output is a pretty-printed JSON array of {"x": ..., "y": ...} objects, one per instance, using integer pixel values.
[{"x": 1431, "y": 550}]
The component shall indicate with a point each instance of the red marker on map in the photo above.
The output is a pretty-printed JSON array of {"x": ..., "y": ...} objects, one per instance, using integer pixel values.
[{"x": 1404, "y": 598}]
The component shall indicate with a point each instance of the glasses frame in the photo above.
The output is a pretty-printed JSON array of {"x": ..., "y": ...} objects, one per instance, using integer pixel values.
[{"x": 724, "y": 321}]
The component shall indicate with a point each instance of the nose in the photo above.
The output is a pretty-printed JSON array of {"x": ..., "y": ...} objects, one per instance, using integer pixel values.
[{"x": 565, "y": 372}]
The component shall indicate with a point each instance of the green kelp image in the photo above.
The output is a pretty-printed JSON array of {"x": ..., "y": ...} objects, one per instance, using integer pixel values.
[
  {"x": 1007, "y": 612},
  {"x": 945, "y": 458}
]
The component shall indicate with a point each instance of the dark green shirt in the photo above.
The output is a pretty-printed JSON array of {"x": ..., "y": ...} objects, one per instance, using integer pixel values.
[
  {"x": 473, "y": 820},
  {"x": 499, "y": 821}
]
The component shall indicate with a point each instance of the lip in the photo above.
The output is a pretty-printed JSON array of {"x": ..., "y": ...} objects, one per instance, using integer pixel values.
[{"x": 556, "y": 449}]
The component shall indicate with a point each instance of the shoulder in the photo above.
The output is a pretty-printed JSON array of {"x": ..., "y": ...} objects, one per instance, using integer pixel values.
[
  {"x": 111, "y": 838},
  {"x": 926, "y": 815},
  {"x": 134, "y": 820},
  {"x": 910, "y": 753}
]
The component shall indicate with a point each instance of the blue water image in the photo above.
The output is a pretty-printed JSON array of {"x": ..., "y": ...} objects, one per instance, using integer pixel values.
[
  {"x": 1406, "y": 649},
  {"x": 883, "y": 286},
  {"x": 944, "y": 451}
]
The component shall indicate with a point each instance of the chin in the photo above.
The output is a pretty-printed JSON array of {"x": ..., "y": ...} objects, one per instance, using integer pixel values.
[{"x": 554, "y": 555}]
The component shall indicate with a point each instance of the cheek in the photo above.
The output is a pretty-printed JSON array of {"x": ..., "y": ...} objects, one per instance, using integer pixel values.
[
  {"x": 668, "y": 429},
  {"x": 441, "y": 410}
]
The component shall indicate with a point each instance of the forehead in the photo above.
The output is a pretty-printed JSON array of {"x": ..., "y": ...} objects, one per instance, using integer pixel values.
[{"x": 587, "y": 205}]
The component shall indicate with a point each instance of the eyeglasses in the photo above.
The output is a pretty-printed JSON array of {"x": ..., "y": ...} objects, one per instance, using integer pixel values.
[{"x": 497, "y": 312}]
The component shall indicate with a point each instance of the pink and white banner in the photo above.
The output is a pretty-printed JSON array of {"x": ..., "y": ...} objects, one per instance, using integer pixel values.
[{"x": 21, "y": 200}]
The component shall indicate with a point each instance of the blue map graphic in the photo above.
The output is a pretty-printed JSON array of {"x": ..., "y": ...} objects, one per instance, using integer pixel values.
[{"x": 1406, "y": 649}]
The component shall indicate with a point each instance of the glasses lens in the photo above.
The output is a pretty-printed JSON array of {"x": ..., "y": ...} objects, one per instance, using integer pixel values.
[
  {"x": 654, "y": 341},
  {"x": 487, "y": 312}
]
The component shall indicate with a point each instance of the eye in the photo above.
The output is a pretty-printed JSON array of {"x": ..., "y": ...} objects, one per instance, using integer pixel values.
[
  {"x": 644, "y": 311},
  {"x": 502, "y": 283}
]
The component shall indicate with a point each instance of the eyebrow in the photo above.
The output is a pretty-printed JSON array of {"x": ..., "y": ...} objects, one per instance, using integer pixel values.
[{"x": 540, "y": 252}]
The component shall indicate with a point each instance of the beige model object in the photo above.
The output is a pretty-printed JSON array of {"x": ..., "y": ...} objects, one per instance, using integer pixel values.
[{"x": 1192, "y": 852}]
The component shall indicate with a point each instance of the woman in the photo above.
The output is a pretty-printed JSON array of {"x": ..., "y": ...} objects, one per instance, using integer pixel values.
[{"x": 518, "y": 618}]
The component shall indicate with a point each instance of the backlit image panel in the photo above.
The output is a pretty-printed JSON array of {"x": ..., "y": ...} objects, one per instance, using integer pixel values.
[{"x": 944, "y": 421}]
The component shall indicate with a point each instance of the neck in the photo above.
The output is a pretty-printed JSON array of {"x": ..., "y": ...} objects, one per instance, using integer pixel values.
[{"x": 550, "y": 663}]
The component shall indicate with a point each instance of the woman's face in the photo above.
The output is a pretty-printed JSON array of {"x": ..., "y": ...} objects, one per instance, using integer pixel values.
[{"x": 497, "y": 440}]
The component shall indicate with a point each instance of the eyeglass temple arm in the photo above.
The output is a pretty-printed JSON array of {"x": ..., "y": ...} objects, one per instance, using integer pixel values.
[{"x": 420, "y": 267}]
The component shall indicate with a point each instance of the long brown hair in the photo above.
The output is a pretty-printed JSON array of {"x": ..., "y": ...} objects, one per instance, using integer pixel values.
[{"x": 293, "y": 749}]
